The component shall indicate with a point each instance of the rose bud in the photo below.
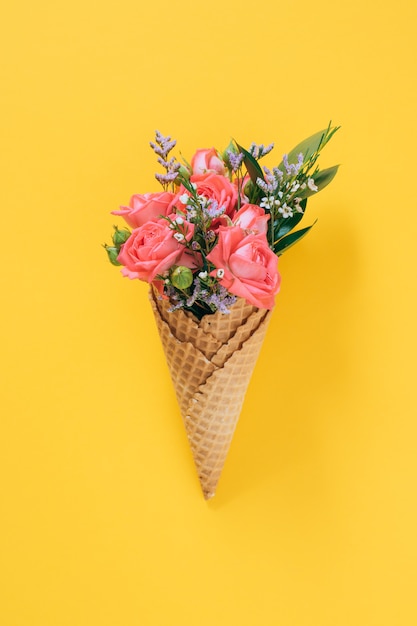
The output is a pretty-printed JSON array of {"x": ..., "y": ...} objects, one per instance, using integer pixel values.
[
  {"x": 181, "y": 277},
  {"x": 120, "y": 236},
  {"x": 112, "y": 253}
]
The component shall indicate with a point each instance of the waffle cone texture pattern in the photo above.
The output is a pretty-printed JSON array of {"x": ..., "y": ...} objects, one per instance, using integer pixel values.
[{"x": 211, "y": 362}]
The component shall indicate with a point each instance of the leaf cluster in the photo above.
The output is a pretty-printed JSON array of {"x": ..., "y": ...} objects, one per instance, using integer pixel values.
[{"x": 290, "y": 186}]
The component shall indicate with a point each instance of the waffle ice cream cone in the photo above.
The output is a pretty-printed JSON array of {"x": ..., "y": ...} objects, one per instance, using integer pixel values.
[{"x": 211, "y": 362}]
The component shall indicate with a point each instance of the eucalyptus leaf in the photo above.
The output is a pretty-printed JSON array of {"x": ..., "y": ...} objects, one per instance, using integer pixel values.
[
  {"x": 289, "y": 240},
  {"x": 310, "y": 145},
  {"x": 321, "y": 179}
]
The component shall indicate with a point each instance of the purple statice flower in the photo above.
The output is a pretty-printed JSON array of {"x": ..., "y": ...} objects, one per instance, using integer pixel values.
[
  {"x": 222, "y": 300},
  {"x": 176, "y": 301},
  {"x": 278, "y": 174},
  {"x": 162, "y": 147},
  {"x": 293, "y": 168},
  {"x": 167, "y": 178},
  {"x": 271, "y": 177},
  {"x": 195, "y": 293},
  {"x": 258, "y": 151},
  {"x": 172, "y": 164},
  {"x": 163, "y": 144},
  {"x": 212, "y": 210},
  {"x": 175, "y": 307},
  {"x": 270, "y": 184},
  {"x": 235, "y": 160}
]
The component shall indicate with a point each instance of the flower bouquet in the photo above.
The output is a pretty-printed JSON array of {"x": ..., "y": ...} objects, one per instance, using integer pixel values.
[{"x": 208, "y": 245}]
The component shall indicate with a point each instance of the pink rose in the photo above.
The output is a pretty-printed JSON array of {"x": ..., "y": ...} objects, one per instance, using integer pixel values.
[
  {"x": 153, "y": 248},
  {"x": 217, "y": 188},
  {"x": 252, "y": 218},
  {"x": 205, "y": 161},
  {"x": 246, "y": 266},
  {"x": 148, "y": 207}
]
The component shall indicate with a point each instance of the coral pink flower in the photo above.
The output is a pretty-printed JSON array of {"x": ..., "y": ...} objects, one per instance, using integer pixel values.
[
  {"x": 215, "y": 187},
  {"x": 207, "y": 160},
  {"x": 252, "y": 218},
  {"x": 148, "y": 207},
  {"x": 153, "y": 248},
  {"x": 246, "y": 266}
]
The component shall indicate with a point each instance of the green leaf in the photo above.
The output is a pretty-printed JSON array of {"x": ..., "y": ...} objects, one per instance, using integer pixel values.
[
  {"x": 322, "y": 178},
  {"x": 287, "y": 225},
  {"x": 186, "y": 183},
  {"x": 252, "y": 165},
  {"x": 310, "y": 145},
  {"x": 286, "y": 242},
  {"x": 187, "y": 165}
]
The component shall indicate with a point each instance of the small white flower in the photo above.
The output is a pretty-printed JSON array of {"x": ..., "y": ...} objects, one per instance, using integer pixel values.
[
  {"x": 220, "y": 273},
  {"x": 269, "y": 203},
  {"x": 179, "y": 220},
  {"x": 202, "y": 275},
  {"x": 193, "y": 185},
  {"x": 297, "y": 206},
  {"x": 311, "y": 185},
  {"x": 285, "y": 211},
  {"x": 184, "y": 198},
  {"x": 179, "y": 236}
]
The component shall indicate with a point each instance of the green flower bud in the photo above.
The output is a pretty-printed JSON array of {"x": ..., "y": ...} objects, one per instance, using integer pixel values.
[
  {"x": 181, "y": 277},
  {"x": 120, "y": 236},
  {"x": 248, "y": 189},
  {"x": 112, "y": 253},
  {"x": 184, "y": 172}
]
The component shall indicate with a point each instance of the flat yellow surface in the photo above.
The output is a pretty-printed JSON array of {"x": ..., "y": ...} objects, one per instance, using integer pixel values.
[{"x": 102, "y": 522}]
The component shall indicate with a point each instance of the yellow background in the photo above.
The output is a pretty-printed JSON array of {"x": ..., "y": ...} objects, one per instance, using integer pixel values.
[{"x": 102, "y": 520}]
